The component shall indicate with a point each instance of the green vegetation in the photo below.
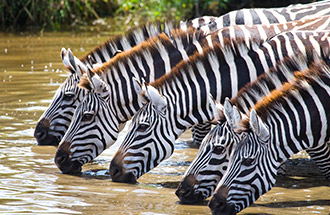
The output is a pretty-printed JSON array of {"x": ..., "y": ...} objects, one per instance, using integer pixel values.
[
  {"x": 119, "y": 15},
  {"x": 51, "y": 14},
  {"x": 67, "y": 14}
]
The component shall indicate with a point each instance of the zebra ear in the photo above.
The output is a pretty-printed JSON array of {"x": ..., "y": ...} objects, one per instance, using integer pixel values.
[
  {"x": 156, "y": 98},
  {"x": 72, "y": 62},
  {"x": 95, "y": 65},
  {"x": 258, "y": 127},
  {"x": 140, "y": 89},
  {"x": 217, "y": 110},
  {"x": 97, "y": 84},
  {"x": 232, "y": 114},
  {"x": 90, "y": 75},
  {"x": 238, "y": 117}
]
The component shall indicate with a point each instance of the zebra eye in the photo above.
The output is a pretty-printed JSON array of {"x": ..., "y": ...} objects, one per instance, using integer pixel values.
[
  {"x": 248, "y": 161},
  {"x": 87, "y": 117},
  {"x": 68, "y": 96},
  {"x": 143, "y": 127},
  {"x": 218, "y": 149}
]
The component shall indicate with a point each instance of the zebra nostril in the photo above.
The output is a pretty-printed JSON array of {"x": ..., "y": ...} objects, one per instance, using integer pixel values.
[
  {"x": 218, "y": 203},
  {"x": 41, "y": 134},
  {"x": 60, "y": 159},
  {"x": 115, "y": 171}
]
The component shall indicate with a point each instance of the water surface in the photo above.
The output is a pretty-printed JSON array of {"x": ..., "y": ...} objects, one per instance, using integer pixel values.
[{"x": 30, "y": 72}]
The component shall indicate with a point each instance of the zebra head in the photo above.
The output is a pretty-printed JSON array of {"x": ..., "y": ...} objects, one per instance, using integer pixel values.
[
  {"x": 251, "y": 171},
  {"x": 54, "y": 122},
  {"x": 83, "y": 141},
  {"x": 149, "y": 140},
  {"x": 210, "y": 164}
]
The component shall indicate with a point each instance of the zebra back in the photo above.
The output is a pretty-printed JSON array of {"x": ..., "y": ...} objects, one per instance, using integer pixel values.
[
  {"x": 272, "y": 15},
  {"x": 262, "y": 33}
]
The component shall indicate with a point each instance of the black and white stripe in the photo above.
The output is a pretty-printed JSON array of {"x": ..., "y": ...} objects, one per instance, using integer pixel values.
[
  {"x": 185, "y": 91},
  {"x": 257, "y": 16},
  {"x": 287, "y": 121},
  {"x": 210, "y": 164}
]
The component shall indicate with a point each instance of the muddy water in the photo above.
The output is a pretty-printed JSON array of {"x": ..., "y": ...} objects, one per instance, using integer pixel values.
[{"x": 30, "y": 72}]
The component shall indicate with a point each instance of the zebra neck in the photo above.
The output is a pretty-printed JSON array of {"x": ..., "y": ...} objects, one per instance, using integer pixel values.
[
  {"x": 146, "y": 62},
  {"x": 301, "y": 121}
]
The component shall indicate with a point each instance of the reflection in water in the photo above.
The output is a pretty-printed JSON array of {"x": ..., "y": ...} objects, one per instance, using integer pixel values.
[{"x": 30, "y": 72}]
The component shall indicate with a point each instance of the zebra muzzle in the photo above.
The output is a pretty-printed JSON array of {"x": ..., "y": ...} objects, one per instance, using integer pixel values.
[
  {"x": 42, "y": 135},
  {"x": 64, "y": 163},
  {"x": 186, "y": 192},
  {"x": 119, "y": 175},
  {"x": 219, "y": 204}
]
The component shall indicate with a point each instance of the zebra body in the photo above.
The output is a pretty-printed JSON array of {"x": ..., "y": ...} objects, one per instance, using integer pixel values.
[
  {"x": 210, "y": 164},
  {"x": 257, "y": 16},
  {"x": 185, "y": 93},
  {"x": 289, "y": 120}
]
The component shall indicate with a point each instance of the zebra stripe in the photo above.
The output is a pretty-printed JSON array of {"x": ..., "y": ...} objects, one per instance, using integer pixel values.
[
  {"x": 198, "y": 84},
  {"x": 272, "y": 15},
  {"x": 206, "y": 170},
  {"x": 276, "y": 133}
]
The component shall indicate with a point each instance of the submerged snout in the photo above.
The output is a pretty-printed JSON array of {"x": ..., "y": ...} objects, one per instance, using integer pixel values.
[
  {"x": 42, "y": 134},
  {"x": 187, "y": 193},
  {"x": 219, "y": 204},
  {"x": 118, "y": 173},
  {"x": 63, "y": 161}
]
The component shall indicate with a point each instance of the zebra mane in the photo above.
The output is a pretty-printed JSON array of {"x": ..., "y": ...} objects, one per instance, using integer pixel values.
[
  {"x": 147, "y": 48},
  {"x": 84, "y": 83},
  {"x": 282, "y": 68},
  {"x": 312, "y": 75},
  {"x": 229, "y": 50},
  {"x": 131, "y": 36}
]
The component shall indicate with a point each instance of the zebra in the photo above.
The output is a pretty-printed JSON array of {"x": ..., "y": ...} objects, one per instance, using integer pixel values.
[
  {"x": 98, "y": 143},
  {"x": 255, "y": 16},
  {"x": 210, "y": 164},
  {"x": 55, "y": 121},
  {"x": 179, "y": 99},
  {"x": 289, "y": 120}
]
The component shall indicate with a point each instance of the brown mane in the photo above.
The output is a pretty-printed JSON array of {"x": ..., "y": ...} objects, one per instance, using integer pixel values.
[
  {"x": 269, "y": 102},
  {"x": 84, "y": 83},
  {"x": 149, "y": 45},
  {"x": 129, "y": 35}
]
